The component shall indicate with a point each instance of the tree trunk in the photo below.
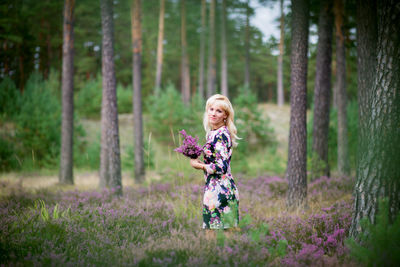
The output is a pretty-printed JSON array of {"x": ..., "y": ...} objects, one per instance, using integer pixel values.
[
  {"x": 296, "y": 172},
  {"x": 212, "y": 63},
  {"x": 378, "y": 168},
  {"x": 67, "y": 125},
  {"x": 185, "y": 74},
  {"x": 160, "y": 45},
  {"x": 110, "y": 92},
  {"x": 281, "y": 98},
  {"x": 343, "y": 151},
  {"x": 247, "y": 48},
  {"x": 224, "y": 59},
  {"x": 322, "y": 92},
  {"x": 137, "y": 90},
  {"x": 202, "y": 48}
]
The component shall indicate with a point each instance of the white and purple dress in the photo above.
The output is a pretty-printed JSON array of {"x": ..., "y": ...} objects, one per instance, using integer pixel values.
[{"x": 221, "y": 197}]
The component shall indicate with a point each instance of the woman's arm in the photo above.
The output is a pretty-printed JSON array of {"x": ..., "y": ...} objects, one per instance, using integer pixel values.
[{"x": 197, "y": 164}]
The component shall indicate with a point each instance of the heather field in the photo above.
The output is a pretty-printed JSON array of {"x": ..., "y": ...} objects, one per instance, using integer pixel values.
[
  {"x": 159, "y": 222},
  {"x": 159, "y": 225}
]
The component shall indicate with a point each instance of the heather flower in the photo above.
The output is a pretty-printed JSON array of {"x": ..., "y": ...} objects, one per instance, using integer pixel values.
[{"x": 189, "y": 147}]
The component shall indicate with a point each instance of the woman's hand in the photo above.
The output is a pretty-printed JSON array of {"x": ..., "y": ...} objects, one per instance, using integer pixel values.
[{"x": 197, "y": 164}]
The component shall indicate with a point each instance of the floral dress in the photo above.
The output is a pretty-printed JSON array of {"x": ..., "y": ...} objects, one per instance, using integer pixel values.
[{"x": 221, "y": 197}]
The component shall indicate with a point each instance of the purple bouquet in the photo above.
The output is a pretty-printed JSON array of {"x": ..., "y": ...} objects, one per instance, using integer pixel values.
[{"x": 189, "y": 147}]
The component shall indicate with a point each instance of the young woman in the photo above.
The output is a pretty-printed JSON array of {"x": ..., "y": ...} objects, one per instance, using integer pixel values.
[{"x": 221, "y": 197}]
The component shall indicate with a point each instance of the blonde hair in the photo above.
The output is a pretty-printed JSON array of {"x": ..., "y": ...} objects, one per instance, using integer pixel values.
[{"x": 226, "y": 105}]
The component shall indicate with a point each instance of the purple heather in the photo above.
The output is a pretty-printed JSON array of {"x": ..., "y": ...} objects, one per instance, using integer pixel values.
[{"x": 189, "y": 147}]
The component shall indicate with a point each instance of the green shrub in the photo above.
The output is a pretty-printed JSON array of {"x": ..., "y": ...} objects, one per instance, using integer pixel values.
[
  {"x": 38, "y": 124},
  {"x": 124, "y": 98},
  {"x": 379, "y": 244},
  {"x": 8, "y": 157},
  {"x": 88, "y": 99},
  {"x": 254, "y": 130},
  {"x": 9, "y": 97},
  {"x": 168, "y": 115},
  {"x": 128, "y": 157}
]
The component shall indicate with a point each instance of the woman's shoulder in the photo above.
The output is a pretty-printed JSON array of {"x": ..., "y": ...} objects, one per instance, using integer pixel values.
[{"x": 224, "y": 135}]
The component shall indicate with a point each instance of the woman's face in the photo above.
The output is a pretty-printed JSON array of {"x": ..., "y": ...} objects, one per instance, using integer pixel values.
[{"x": 216, "y": 115}]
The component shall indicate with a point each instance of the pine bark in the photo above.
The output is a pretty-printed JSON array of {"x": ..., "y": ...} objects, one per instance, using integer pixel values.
[
  {"x": 296, "y": 172},
  {"x": 137, "y": 90},
  {"x": 378, "y": 168},
  {"x": 185, "y": 72},
  {"x": 67, "y": 125},
  {"x": 247, "y": 48},
  {"x": 281, "y": 98},
  {"x": 322, "y": 92},
  {"x": 160, "y": 45},
  {"x": 342, "y": 140},
  {"x": 212, "y": 63},
  {"x": 224, "y": 58},
  {"x": 110, "y": 93}
]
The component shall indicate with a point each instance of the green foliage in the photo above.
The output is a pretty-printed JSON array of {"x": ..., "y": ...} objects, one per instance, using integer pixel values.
[
  {"x": 38, "y": 124},
  {"x": 9, "y": 97},
  {"x": 128, "y": 158},
  {"x": 124, "y": 98},
  {"x": 168, "y": 116},
  {"x": 88, "y": 99},
  {"x": 379, "y": 242},
  {"x": 280, "y": 249},
  {"x": 8, "y": 158},
  {"x": 254, "y": 130},
  {"x": 352, "y": 135}
]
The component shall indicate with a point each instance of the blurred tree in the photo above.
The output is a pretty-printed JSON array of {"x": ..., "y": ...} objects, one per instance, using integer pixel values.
[
  {"x": 160, "y": 45},
  {"x": 281, "y": 98},
  {"x": 110, "y": 161},
  {"x": 202, "y": 48},
  {"x": 137, "y": 89},
  {"x": 224, "y": 61},
  {"x": 322, "y": 92},
  {"x": 247, "y": 47},
  {"x": 212, "y": 64},
  {"x": 378, "y": 167},
  {"x": 67, "y": 127},
  {"x": 342, "y": 148},
  {"x": 87, "y": 43},
  {"x": 296, "y": 172},
  {"x": 185, "y": 70}
]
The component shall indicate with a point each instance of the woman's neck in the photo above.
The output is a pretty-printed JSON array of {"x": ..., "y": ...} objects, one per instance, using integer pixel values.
[{"x": 216, "y": 127}]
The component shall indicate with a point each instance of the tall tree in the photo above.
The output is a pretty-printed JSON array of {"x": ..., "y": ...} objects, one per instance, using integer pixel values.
[
  {"x": 378, "y": 166},
  {"x": 185, "y": 72},
  {"x": 322, "y": 91},
  {"x": 342, "y": 149},
  {"x": 296, "y": 172},
  {"x": 212, "y": 62},
  {"x": 202, "y": 48},
  {"x": 281, "y": 99},
  {"x": 160, "y": 44},
  {"x": 224, "y": 59},
  {"x": 247, "y": 47},
  {"x": 137, "y": 89},
  {"x": 67, "y": 127},
  {"x": 110, "y": 109}
]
